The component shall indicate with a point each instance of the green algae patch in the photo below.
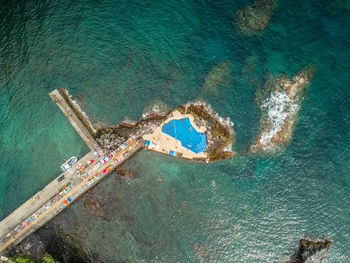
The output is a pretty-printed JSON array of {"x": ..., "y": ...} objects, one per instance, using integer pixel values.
[
  {"x": 252, "y": 19},
  {"x": 47, "y": 258}
]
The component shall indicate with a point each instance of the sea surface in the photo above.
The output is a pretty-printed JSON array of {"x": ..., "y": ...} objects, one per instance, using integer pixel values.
[{"x": 118, "y": 57}]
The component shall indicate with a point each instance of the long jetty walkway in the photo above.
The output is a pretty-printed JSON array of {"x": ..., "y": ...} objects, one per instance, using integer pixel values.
[{"x": 68, "y": 186}]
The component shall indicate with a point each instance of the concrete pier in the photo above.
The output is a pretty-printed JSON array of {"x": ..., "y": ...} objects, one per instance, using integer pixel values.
[
  {"x": 69, "y": 185},
  {"x": 39, "y": 199},
  {"x": 68, "y": 111}
]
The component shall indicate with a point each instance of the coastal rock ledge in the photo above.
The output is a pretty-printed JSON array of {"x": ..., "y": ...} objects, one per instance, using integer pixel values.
[{"x": 311, "y": 251}]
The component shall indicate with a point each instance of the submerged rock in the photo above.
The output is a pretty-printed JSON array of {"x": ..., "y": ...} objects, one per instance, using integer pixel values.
[
  {"x": 157, "y": 106},
  {"x": 124, "y": 173},
  {"x": 279, "y": 103},
  {"x": 311, "y": 251},
  {"x": 219, "y": 74},
  {"x": 92, "y": 206},
  {"x": 201, "y": 252},
  {"x": 52, "y": 238},
  {"x": 252, "y": 19}
]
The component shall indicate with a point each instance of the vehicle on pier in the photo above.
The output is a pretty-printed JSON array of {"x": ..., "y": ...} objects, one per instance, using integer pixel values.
[{"x": 68, "y": 164}]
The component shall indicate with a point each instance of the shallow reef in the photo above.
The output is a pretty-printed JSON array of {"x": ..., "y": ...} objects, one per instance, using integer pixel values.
[
  {"x": 53, "y": 238},
  {"x": 254, "y": 18},
  {"x": 217, "y": 76}
]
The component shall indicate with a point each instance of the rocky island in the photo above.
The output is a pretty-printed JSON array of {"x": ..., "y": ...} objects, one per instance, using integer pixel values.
[
  {"x": 311, "y": 251},
  {"x": 197, "y": 133},
  {"x": 279, "y": 103}
]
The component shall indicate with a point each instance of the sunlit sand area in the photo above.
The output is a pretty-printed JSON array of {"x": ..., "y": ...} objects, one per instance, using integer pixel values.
[{"x": 182, "y": 141}]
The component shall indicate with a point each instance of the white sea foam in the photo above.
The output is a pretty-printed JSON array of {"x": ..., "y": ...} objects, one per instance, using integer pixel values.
[
  {"x": 156, "y": 109},
  {"x": 128, "y": 121},
  {"x": 151, "y": 112},
  {"x": 276, "y": 108}
]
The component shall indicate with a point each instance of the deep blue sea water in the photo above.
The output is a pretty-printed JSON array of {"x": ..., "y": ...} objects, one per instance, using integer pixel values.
[{"x": 117, "y": 57}]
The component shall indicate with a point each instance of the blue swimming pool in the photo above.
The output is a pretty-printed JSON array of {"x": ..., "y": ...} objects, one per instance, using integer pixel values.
[{"x": 183, "y": 130}]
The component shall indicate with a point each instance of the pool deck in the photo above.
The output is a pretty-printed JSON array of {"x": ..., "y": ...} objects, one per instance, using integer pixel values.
[
  {"x": 42, "y": 207},
  {"x": 164, "y": 143}
]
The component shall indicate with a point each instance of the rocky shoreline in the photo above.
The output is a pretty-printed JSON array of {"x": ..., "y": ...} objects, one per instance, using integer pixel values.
[
  {"x": 220, "y": 134},
  {"x": 111, "y": 137},
  {"x": 63, "y": 238}
]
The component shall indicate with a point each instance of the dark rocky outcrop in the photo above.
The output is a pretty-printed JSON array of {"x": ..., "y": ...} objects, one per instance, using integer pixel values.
[
  {"x": 109, "y": 140},
  {"x": 311, "y": 251}
]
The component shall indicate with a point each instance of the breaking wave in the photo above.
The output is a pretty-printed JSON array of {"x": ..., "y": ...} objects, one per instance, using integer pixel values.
[{"x": 278, "y": 108}]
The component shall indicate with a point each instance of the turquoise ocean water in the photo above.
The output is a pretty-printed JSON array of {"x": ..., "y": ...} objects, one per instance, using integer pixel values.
[{"x": 117, "y": 57}]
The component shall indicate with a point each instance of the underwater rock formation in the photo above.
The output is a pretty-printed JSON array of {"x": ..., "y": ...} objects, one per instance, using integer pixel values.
[
  {"x": 52, "y": 238},
  {"x": 279, "y": 103},
  {"x": 311, "y": 251},
  {"x": 252, "y": 19},
  {"x": 157, "y": 106},
  {"x": 124, "y": 173},
  {"x": 219, "y": 74},
  {"x": 201, "y": 252},
  {"x": 92, "y": 206}
]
